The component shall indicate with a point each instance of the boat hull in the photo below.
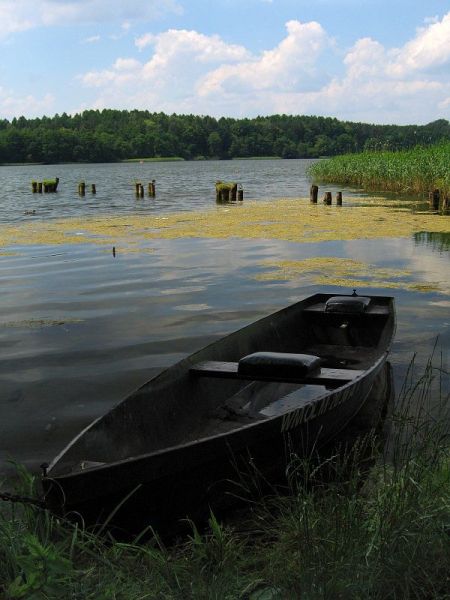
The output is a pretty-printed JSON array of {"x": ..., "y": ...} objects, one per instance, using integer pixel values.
[
  {"x": 214, "y": 474},
  {"x": 160, "y": 488}
]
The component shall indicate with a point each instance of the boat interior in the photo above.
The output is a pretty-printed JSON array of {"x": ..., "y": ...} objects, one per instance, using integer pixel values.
[{"x": 262, "y": 371}]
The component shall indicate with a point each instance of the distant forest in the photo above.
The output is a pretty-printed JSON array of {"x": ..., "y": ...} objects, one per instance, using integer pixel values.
[{"x": 114, "y": 135}]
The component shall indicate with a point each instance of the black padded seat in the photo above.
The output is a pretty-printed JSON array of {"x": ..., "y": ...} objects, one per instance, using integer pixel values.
[
  {"x": 347, "y": 304},
  {"x": 278, "y": 364}
]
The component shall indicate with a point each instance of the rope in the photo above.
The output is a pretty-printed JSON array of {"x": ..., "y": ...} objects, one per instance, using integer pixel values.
[{"x": 7, "y": 497}]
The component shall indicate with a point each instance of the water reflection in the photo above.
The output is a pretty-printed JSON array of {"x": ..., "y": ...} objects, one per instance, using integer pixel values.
[{"x": 438, "y": 241}]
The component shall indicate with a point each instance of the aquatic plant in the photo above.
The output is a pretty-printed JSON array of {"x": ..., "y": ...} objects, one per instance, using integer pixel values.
[
  {"x": 344, "y": 272},
  {"x": 225, "y": 186},
  {"x": 288, "y": 220},
  {"x": 419, "y": 170}
]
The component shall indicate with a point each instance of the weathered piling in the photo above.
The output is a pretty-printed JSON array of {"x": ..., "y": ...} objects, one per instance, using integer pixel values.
[
  {"x": 47, "y": 186},
  {"x": 313, "y": 193},
  {"x": 82, "y": 188},
  {"x": 151, "y": 189},
  {"x": 139, "y": 189},
  {"x": 93, "y": 188},
  {"x": 328, "y": 198},
  {"x": 240, "y": 193},
  {"x": 34, "y": 187},
  {"x": 226, "y": 191},
  {"x": 434, "y": 199},
  {"x": 338, "y": 198}
]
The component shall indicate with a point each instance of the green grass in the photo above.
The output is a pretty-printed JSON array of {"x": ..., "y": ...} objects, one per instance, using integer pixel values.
[
  {"x": 335, "y": 535},
  {"x": 257, "y": 158},
  {"x": 154, "y": 159},
  {"x": 419, "y": 170}
]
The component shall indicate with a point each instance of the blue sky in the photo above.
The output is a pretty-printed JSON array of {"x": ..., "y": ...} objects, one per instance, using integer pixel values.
[{"x": 361, "y": 60}]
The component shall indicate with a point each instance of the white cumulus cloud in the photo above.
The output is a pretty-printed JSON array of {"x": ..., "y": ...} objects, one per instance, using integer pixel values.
[
  {"x": 292, "y": 63},
  {"x": 187, "y": 71},
  {"x": 12, "y": 105},
  {"x": 429, "y": 49}
]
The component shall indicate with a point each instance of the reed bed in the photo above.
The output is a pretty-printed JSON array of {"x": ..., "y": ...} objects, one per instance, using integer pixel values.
[
  {"x": 363, "y": 523},
  {"x": 415, "y": 171}
]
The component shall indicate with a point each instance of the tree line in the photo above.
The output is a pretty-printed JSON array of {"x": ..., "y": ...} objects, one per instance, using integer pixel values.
[{"x": 113, "y": 135}]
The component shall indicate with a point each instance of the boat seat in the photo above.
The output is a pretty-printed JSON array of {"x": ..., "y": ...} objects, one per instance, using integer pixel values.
[
  {"x": 278, "y": 364},
  {"x": 347, "y": 304},
  {"x": 268, "y": 366}
]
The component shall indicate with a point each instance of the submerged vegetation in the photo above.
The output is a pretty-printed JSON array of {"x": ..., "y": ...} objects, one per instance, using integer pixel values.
[
  {"x": 287, "y": 220},
  {"x": 114, "y": 135},
  {"x": 344, "y": 272},
  {"x": 417, "y": 170},
  {"x": 340, "y": 530}
]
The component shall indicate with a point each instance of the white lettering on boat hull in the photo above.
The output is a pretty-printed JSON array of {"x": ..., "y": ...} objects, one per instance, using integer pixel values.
[{"x": 319, "y": 407}]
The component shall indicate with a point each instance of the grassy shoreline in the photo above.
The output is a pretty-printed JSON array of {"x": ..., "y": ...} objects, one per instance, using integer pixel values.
[
  {"x": 153, "y": 159},
  {"x": 385, "y": 536},
  {"x": 418, "y": 170}
]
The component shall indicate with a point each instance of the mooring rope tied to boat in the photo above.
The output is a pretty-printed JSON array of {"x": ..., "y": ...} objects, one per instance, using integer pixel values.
[{"x": 16, "y": 498}]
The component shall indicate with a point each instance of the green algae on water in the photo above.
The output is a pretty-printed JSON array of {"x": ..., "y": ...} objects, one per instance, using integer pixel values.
[
  {"x": 343, "y": 272},
  {"x": 288, "y": 220}
]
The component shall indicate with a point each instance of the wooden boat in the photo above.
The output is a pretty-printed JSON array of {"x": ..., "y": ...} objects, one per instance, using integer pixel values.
[{"x": 288, "y": 382}]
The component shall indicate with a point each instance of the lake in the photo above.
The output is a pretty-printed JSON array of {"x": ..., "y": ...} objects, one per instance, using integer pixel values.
[{"x": 81, "y": 326}]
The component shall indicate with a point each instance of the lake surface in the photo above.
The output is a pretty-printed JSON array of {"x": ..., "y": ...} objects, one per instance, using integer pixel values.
[{"x": 80, "y": 328}]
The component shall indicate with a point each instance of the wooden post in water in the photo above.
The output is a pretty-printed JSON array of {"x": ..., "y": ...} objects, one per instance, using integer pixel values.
[
  {"x": 434, "y": 199},
  {"x": 338, "y": 198},
  {"x": 153, "y": 188},
  {"x": 313, "y": 193},
  {"x": 82, "y": 188},
  {"x": 241, "y": 195},
  {"x": 233, "y": 193},
  {"x": 225, "y": 195},
  {"x": 40, "y": 187},
  {"x": 34, "y": 186},
  {"x": 93, "y": 188},
  {"x": 150, "y": 189},
  {"x": 327, "y": 199}
]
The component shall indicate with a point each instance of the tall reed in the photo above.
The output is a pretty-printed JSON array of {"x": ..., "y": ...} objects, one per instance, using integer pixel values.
[
  {"x": 388, "y": 538},
  {"x": 419, "y": 170}
]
